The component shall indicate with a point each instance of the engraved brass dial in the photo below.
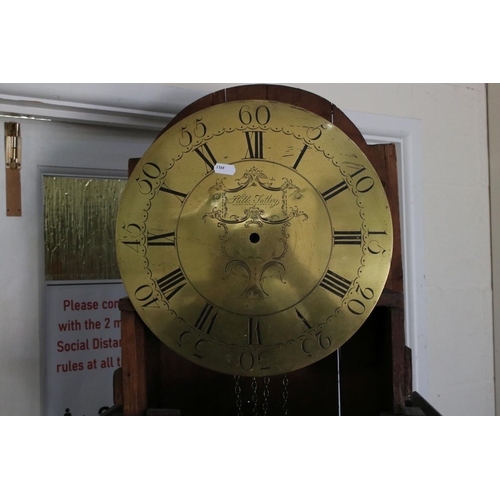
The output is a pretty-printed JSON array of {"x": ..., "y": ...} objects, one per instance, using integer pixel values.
[{"x": 262, "y": 267}]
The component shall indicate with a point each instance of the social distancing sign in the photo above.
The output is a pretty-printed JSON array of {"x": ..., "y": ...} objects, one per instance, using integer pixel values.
[{"x": 82, "y": 346}]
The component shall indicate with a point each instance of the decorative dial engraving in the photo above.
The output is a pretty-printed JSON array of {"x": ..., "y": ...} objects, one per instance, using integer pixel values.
[{"x": 251, "y": 227}]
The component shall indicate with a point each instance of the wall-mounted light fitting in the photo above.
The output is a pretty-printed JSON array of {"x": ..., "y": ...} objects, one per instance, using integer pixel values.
[{"x": 13, "y": 168}]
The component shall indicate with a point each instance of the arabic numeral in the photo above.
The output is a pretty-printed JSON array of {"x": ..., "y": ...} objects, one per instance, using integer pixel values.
[
  {"x": 151, "y": 171},
  {"x": 324, "y": 341},
  {"x": 356, "y": 307},
  {"x": 365, "y": 184},
  {"x": 186, "y": 137},
  {"x": 367, "y": 293},
  {"x": 246, "y": 361},
  {"x": 314, "y": 133},
  {"x": 144, "y": 294},
  {"x": 262, "y": 115},
  {"x": 199, "y": 130}
]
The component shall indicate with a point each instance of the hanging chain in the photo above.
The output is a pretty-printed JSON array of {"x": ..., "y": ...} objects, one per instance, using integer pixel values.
[
  {"x": 285, "y": 394},
  {"x": 255, "y": 396},
  {"x": 237, "y": 390},
  {"x": 265, "y": 404}
]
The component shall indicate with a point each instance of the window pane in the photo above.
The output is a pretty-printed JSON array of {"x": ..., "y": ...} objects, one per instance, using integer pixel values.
[{"x": 80, "y": 215}]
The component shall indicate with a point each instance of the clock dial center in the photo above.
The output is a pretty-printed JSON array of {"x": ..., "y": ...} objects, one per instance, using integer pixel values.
[{"x": 255, "y": 243}]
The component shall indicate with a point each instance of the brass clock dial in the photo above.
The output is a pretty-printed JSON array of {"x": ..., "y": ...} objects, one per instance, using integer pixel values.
[{"x": 254, "y": 238}]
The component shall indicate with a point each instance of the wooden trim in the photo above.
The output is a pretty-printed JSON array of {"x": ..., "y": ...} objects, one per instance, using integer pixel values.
[
  {"x": 135, "y": 401},
  {"x": 408, "y": 370},
  {"x": 118, "y": 386},
  {"x": 340, "y": 120},
  {"x": 140, "y": 375},
  {"x": 132, "y": 162},
  {"x": 391, "y": 298},
  {"x": 13, "y": 192},
  {"x": 398, "y": 358}
]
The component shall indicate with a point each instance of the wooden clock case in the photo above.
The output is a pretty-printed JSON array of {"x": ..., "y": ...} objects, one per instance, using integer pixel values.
[{"x": 375, "y": 365}]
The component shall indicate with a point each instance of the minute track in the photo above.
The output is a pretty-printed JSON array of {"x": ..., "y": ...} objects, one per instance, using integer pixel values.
[{"x": 258, "y": 271}]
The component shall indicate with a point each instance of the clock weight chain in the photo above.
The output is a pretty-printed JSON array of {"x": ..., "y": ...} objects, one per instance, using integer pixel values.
[
  {"x": 237, "y": 390},
  {"x": 255, "y": 395},
  {"x": 265, "y": 404},
  {"x": 285, "y": 394}
]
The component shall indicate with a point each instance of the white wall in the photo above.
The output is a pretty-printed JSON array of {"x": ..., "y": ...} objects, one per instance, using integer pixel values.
[
  {"x": 456, "y": 242},
  {"x": 494, "y": 153},
  {"x": 21, "y": 250}
]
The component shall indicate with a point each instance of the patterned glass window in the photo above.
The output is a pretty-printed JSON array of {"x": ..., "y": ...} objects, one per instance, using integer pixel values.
[{"x": 79, "y": 220}]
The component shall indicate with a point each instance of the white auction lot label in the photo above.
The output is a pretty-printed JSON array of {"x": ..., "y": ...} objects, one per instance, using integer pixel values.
[{"x": 224, "y": 168}]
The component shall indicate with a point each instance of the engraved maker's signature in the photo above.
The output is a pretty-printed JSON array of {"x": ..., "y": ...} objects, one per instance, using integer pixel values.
[{"x": 256, "y": 199}]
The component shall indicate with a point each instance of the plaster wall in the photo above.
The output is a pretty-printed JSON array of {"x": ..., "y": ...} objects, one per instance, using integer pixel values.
[{"x": 494, "y": 153}]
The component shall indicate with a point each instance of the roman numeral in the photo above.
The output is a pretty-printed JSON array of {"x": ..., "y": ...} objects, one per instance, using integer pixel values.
[
  {"x": 166, "y": 189},
  {"x": 206, "y": 155},
  {"x": 255, "y": 143},
  {"x": 206, "y": 319},
  {"x": 334, "y": 191},
  {"x": 335, "y": 284},
  {"x": 297, "y": 161},
  {"x": 171, "y": 283},
  {"x": 253, "y": 331},
  {"x": 347, "y": 237},
  {"x": 164, "y": 240},
  {"x": 303, "y": 320}
]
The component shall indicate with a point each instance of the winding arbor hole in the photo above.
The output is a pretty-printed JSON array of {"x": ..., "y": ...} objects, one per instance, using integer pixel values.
[{"x": 254, "y": 238}]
